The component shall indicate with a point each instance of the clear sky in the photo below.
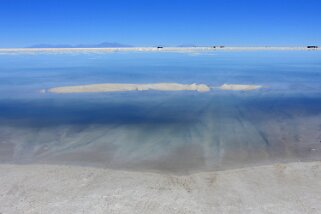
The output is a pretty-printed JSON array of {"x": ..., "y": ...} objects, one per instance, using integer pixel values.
[{"x": 160, "y": 22}]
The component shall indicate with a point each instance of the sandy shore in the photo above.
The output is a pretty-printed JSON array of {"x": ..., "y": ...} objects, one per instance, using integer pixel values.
[
  {"x": 114, "y": 87},
  {"x": 281, "y": 188},
  {"x": 152, "y": 49}
]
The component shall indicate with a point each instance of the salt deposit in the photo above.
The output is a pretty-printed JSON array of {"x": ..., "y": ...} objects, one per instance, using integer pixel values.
[
  {"x": 238, "y": 87},
  {"x": 115, "y": 87}
]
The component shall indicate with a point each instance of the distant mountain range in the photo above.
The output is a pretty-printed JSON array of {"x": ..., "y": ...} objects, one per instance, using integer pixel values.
[{"x": 100, "y": 45}]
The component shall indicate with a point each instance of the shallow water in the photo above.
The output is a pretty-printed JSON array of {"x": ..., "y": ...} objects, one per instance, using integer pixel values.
[{"x": 166, "y": 131}]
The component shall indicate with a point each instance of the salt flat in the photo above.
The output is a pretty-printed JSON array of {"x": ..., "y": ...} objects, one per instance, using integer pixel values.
[
  {"x": 153, "y": 49},
  {"x": 280, "y": 188},
  {"x": 229, "y": 150}
]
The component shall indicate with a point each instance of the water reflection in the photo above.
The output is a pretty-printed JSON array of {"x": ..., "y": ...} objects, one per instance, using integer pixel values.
[{"x": 166, "y": 131}]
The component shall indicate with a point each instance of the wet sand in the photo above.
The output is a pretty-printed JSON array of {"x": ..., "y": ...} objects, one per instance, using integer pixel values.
[{"x": 280, "y": 188}]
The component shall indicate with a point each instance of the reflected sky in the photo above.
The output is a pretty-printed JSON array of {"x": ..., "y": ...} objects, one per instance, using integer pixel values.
[{"x": 161, "y": 131}]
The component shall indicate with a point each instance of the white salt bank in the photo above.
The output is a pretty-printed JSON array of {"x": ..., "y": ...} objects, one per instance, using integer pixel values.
[
  {"x": 238, "y": 87},
  {"x": 116, "y": 87}
]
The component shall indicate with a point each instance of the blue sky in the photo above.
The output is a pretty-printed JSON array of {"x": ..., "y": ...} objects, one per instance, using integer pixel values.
[{"x": 163, "y": 22}]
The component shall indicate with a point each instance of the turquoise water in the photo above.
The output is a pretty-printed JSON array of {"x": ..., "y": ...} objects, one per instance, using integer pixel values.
[{"x": 166, "y": 131}]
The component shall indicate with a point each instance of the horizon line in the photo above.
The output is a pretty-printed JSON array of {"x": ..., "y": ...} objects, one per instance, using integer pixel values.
[{"x": 160, "y": 48}]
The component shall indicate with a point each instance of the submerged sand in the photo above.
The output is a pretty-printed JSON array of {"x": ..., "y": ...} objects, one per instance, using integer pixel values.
[
  {"x": 280, "y": 188},
  {"x": 116, "y": 87}
]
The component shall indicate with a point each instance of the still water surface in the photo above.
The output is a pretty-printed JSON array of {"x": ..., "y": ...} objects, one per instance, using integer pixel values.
[{"x": 161, "y": 131}]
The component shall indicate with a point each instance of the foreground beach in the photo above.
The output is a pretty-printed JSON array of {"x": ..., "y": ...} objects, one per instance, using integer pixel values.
[{"x": 280, "y": 188}]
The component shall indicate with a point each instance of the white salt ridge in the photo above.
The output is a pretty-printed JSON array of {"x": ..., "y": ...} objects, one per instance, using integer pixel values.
[
  {"x": 238, "y": 87},
  {"x": 116, "y": 87}
]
